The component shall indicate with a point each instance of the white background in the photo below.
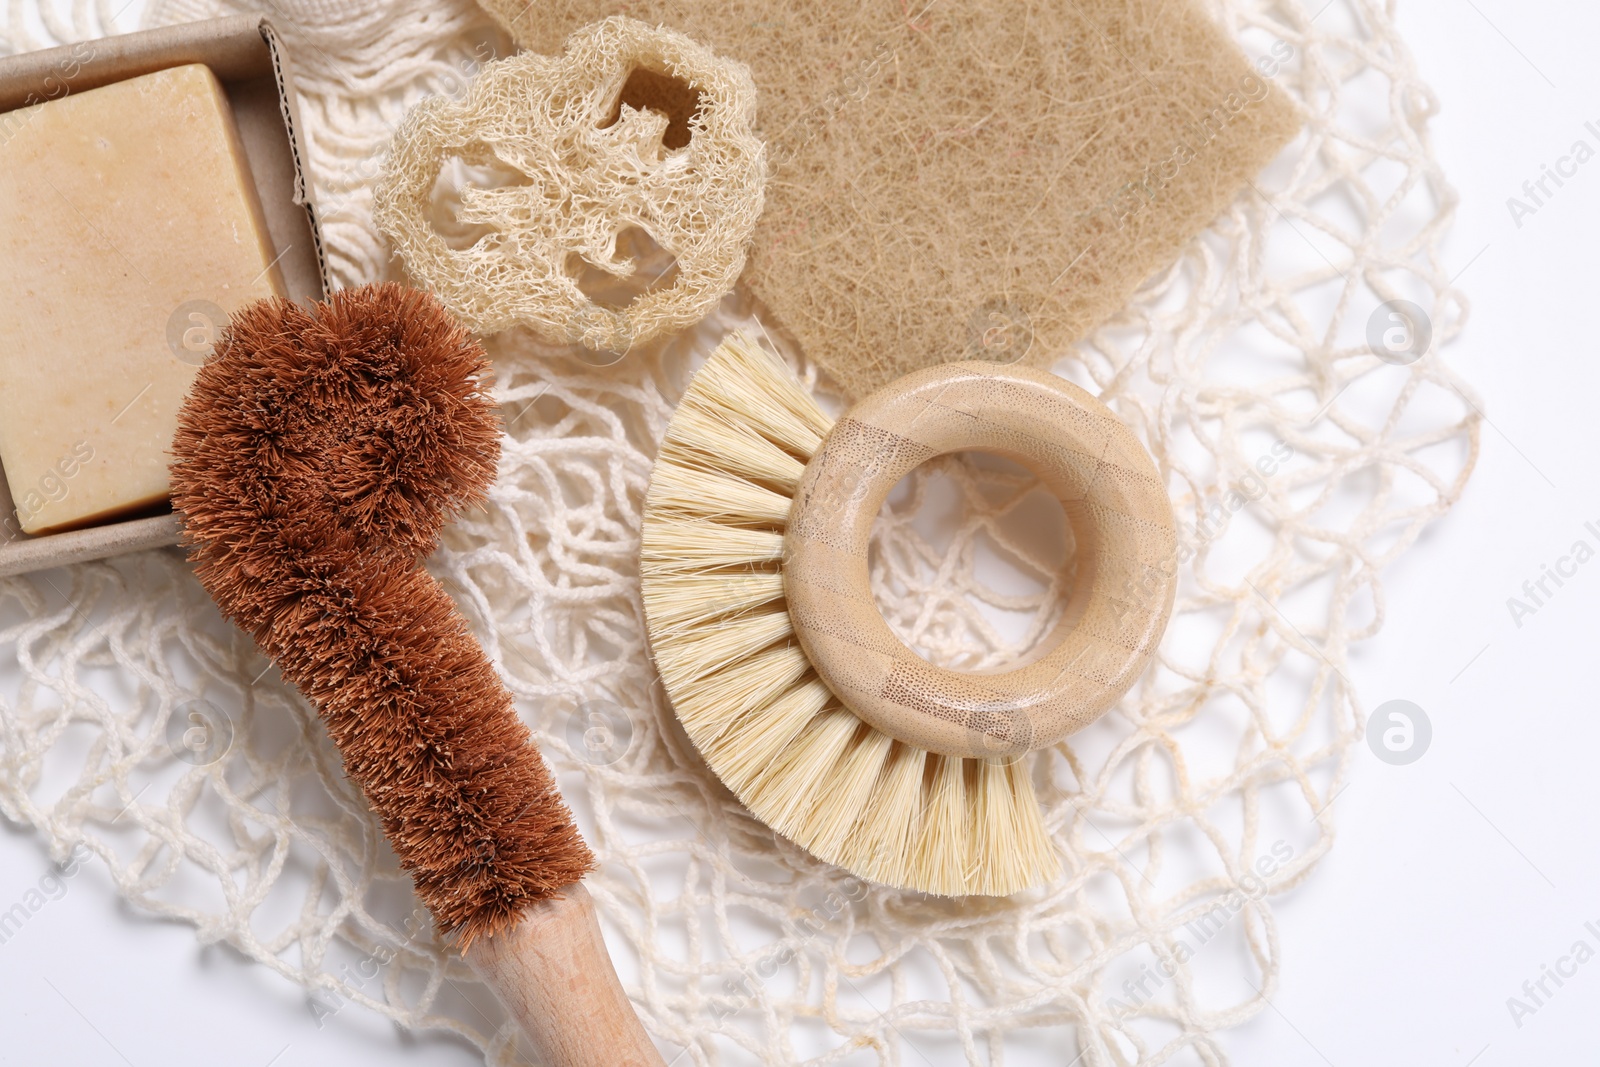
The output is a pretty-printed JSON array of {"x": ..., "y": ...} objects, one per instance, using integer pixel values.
[{"x": 1454, "y": 879}]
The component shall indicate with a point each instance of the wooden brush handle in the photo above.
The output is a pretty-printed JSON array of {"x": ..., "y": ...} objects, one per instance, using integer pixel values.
[
  {"x": 554, "y": 976},
  {"x": 1126, "y": 556}
]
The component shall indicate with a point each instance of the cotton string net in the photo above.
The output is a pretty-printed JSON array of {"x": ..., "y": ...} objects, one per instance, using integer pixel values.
[{"x": 1300, "y": 464}]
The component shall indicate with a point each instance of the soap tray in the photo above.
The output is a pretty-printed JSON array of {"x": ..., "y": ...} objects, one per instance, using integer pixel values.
[{"x": 248, "y": 59}]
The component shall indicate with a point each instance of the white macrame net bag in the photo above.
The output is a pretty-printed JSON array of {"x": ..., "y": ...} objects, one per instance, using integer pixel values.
[{"x": 1181, "y": 815}]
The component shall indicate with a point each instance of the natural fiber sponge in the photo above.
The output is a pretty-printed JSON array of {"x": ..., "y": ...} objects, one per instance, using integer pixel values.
[
  {"x": 632, "y": 127},
  {"x": 970, "y": 179}
]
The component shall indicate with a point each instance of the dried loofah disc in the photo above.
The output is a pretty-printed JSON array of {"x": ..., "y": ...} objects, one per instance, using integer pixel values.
[{"x": 631, "y": 128}]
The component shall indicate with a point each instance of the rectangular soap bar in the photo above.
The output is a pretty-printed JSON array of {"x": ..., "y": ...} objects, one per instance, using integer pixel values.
[{"x": 129, "y": 229}]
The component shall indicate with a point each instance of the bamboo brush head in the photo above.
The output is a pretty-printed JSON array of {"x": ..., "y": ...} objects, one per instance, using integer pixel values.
[
  {"x": 318, "y": 456},
  {"x": 782, "y": 669}
]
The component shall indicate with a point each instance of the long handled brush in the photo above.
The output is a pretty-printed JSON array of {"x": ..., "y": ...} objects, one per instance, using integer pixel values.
[
  {"x": 317, "y": 459},
  {"x": 780, "y": 666}
]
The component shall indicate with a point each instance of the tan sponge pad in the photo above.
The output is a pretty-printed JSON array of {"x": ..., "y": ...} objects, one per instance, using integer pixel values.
[
  {"x": 606, "y": 141},
  {"x": 966, "y": 179},
  {"x": 129, "y": 229}
]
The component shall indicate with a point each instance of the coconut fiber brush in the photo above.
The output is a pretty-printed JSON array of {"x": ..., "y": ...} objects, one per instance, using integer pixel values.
[
  {"x": 317, "y": 458},
  {"x": 780, "y": 665}
]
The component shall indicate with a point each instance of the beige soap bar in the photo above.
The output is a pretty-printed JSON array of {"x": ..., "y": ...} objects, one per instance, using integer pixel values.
[{"x": 129, "y": 229}]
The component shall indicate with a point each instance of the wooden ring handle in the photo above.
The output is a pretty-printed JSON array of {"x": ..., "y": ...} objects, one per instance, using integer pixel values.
[
  {"x": 553, "y": 974},
  {"x": 1120, "y": 516}
]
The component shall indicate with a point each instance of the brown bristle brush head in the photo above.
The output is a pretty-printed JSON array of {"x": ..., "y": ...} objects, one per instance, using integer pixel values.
[{"x": 317, "y": 458}]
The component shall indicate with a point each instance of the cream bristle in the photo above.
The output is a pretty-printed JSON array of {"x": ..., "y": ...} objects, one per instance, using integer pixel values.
[
  {"x": 754, "y": 742},
  {"x": 711, "y": 703},
  {"x": 676, "y": 544},
  {"x": 750, "y": 383},
  {"x": 714, "y": 648},
  {"x": 784, "y": 793},
  {"x": 1007, "y": 833},
  {"x": 716, "y": 496},
  {"x": 827, "y": 825},
  {"x": 942, "y": 850},
  {"x": 711, "y": 558},
  {"x": 699, "y": 438},
  {"x": 677, "y": 602},
  {"x": 880, "y": 847}
]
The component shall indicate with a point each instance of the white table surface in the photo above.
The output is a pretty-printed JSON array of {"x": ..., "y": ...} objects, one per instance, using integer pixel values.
[{"x": 1455, "y": 879}]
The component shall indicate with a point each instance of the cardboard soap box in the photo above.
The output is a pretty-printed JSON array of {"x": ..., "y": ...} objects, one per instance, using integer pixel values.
[{"x": 247, "y": 58}]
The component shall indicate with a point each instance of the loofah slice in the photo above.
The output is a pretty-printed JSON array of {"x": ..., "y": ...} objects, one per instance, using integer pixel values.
[
  {"x": 719, "y": 627},
  {"x": 633, "y": 128}
]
